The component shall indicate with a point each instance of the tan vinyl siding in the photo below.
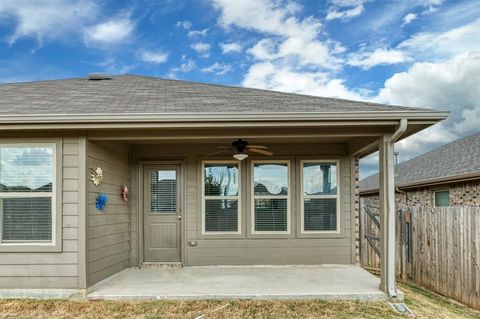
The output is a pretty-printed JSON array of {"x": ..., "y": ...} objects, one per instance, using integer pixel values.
[
  {"x": 51, "y": 269},
  {"x": 246, "y": 250},
  {"x": 108, "y": 231}
]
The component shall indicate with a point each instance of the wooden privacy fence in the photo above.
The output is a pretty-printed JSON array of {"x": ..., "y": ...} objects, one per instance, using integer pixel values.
[{"x": 438, "y": 248}]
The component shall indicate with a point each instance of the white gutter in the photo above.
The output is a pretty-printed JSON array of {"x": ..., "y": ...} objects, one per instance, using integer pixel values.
[{"x": 220, "y": 117}]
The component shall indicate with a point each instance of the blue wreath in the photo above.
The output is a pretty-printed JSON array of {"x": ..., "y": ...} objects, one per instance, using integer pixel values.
[{"x": 101, "y": 201}]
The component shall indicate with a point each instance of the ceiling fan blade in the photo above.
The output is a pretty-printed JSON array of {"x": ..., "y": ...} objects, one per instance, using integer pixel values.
[
  {"x": 263, "y": 147},
  {"x": 259, "y": 151},
  {"x": 218, "y": 152},
  {"x": 224, "y": 147}
]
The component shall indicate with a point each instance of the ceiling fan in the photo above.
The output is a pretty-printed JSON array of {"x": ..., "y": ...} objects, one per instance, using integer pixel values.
[{"x": 241, "y": 149}]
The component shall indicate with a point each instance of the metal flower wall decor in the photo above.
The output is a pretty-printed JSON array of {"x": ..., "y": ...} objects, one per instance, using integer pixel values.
[
  {"x": 101, "y": 201},
  {"x": 96, "y": 175},
  {"x": 124, "y": 193}
]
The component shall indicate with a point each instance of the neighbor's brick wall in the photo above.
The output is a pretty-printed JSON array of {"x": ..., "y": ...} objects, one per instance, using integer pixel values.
[
  {"x": 461, "y": 194},
  {"x": 467, "y": 194}
]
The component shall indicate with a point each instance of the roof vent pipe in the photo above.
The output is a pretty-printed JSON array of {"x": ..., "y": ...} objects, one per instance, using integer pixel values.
[
  {"x": 395, "y": 156},
  {"x": 98, "y": 76}
]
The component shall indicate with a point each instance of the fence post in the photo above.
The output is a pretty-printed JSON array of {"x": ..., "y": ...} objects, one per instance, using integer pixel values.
[{"x": 410, "y": 241}]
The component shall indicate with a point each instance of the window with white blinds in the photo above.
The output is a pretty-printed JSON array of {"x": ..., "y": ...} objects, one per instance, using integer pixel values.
[
  {"x": 221, "y": 194},
  {"x": 27, "y": 193},
  {"x": 163, "y": 192},
  {"x": 270, "y": 197},
  {"x": 319, "y": 196}
]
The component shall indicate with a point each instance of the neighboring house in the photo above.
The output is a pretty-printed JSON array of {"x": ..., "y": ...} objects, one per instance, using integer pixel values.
[
  {"x": 446, "y": 176},
  {"x": 160, "y": 138}
]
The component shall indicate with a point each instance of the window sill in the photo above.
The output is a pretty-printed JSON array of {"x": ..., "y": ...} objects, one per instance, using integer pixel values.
[
  {"x": 268, "y": 235},
  {"x": 29, "y": 248},
  {"x": 320, "y": 235},
  {"x": 221, "y": 236}
]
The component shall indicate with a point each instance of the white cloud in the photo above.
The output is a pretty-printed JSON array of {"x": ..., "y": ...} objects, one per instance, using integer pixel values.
[
  {"x": 110, "y": 65},
  {"x": 380, "y": 56},
  {"x": 453, "y": 85},
  {"x": 265, "y": 49},
  {"x": 185, "y": 24},
  {"x": 43, "y": 19},
  {"x": 444, "y": 45},
  {"x": 271, "y": 77},
  {"x": 407, "y": 19},
  {"x": 470, "y": 120},
  {"x": 110, "y": 32},
  {"x": 233, "y": 47},
  {"x": 186, "y": 66},
  {"x": 266, "y": 16},
  {"x": 198, "y": 33},
  {"x": 202, "y": 48},
  {"x": 288, "y": 37},
  {"x": 153, "y": 57},
  {"x": 217, "y": 68},
  {"x": 290, "y": 56},
  {"x": 431, "y": 6},
  {"x": 345, "y": 9}
]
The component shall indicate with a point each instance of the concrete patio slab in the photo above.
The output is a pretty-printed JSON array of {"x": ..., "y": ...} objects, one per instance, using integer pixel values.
[{"x": 328, "y": 282}]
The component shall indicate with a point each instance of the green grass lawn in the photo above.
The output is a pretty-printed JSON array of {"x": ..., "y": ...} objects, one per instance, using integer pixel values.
[{"x": 425, "y": 304}]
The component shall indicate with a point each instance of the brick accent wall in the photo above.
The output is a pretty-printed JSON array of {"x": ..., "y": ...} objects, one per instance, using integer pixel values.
[
  {"x": 357, "y": 207},
  {"x": 467, "y": 194},
  {"x": 461, "y": 194}
]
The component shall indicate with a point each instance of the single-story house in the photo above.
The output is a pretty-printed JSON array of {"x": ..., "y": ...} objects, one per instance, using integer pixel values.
[
  {"x": 103, "y": 173},
  {"x": 446, "y": 176}
]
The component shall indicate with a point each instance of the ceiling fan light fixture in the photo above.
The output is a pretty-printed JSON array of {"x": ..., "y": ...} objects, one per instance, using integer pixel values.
[{"x": 240, "y": 156}]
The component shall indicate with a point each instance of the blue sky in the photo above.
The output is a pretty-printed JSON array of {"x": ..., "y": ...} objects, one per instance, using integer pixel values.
[{"x": 407, "y": 52}]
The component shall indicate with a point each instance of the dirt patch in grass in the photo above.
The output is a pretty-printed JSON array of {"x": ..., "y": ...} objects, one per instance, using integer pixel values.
[{"x": 424, "y": 303}]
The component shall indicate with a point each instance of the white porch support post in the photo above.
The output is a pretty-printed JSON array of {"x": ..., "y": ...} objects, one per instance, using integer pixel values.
[
  {"x": 387, "y": 217},
  {"x": 387, "y": 210}
]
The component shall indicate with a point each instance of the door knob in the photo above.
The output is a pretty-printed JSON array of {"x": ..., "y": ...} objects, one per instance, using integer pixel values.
[{"x": 179, "y": 217}]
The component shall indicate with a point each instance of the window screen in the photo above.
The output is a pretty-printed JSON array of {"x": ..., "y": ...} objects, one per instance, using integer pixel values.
[
  {"x": 319, "y": 196},
  {"x": 442, "y": 198},
  {"x": 270, "y": 197},
  {"x": 221, "y": 197},
  {"x": 26, "y": 193}
]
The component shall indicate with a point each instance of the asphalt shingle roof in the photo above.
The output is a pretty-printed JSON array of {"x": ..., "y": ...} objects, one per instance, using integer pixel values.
[
  {"x": 139, "y": 94},
  {"x": 456, "y": 158}
]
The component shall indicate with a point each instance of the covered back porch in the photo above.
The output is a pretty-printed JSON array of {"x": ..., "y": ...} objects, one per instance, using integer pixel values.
[{"x": 189, "y": 148}]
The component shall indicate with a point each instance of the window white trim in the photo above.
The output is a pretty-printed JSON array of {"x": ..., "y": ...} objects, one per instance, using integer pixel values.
[
  {"x": 53, "y": 195},
  {"x": 237, "y": 197},
  {"x": 303, "y": 196},
  {"x": 253, "y": 196}
]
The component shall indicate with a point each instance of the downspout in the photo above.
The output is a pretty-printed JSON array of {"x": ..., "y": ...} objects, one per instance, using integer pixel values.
[
  {"x": 390, "y": 275},
  {"x": 402, "y": 127}
]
